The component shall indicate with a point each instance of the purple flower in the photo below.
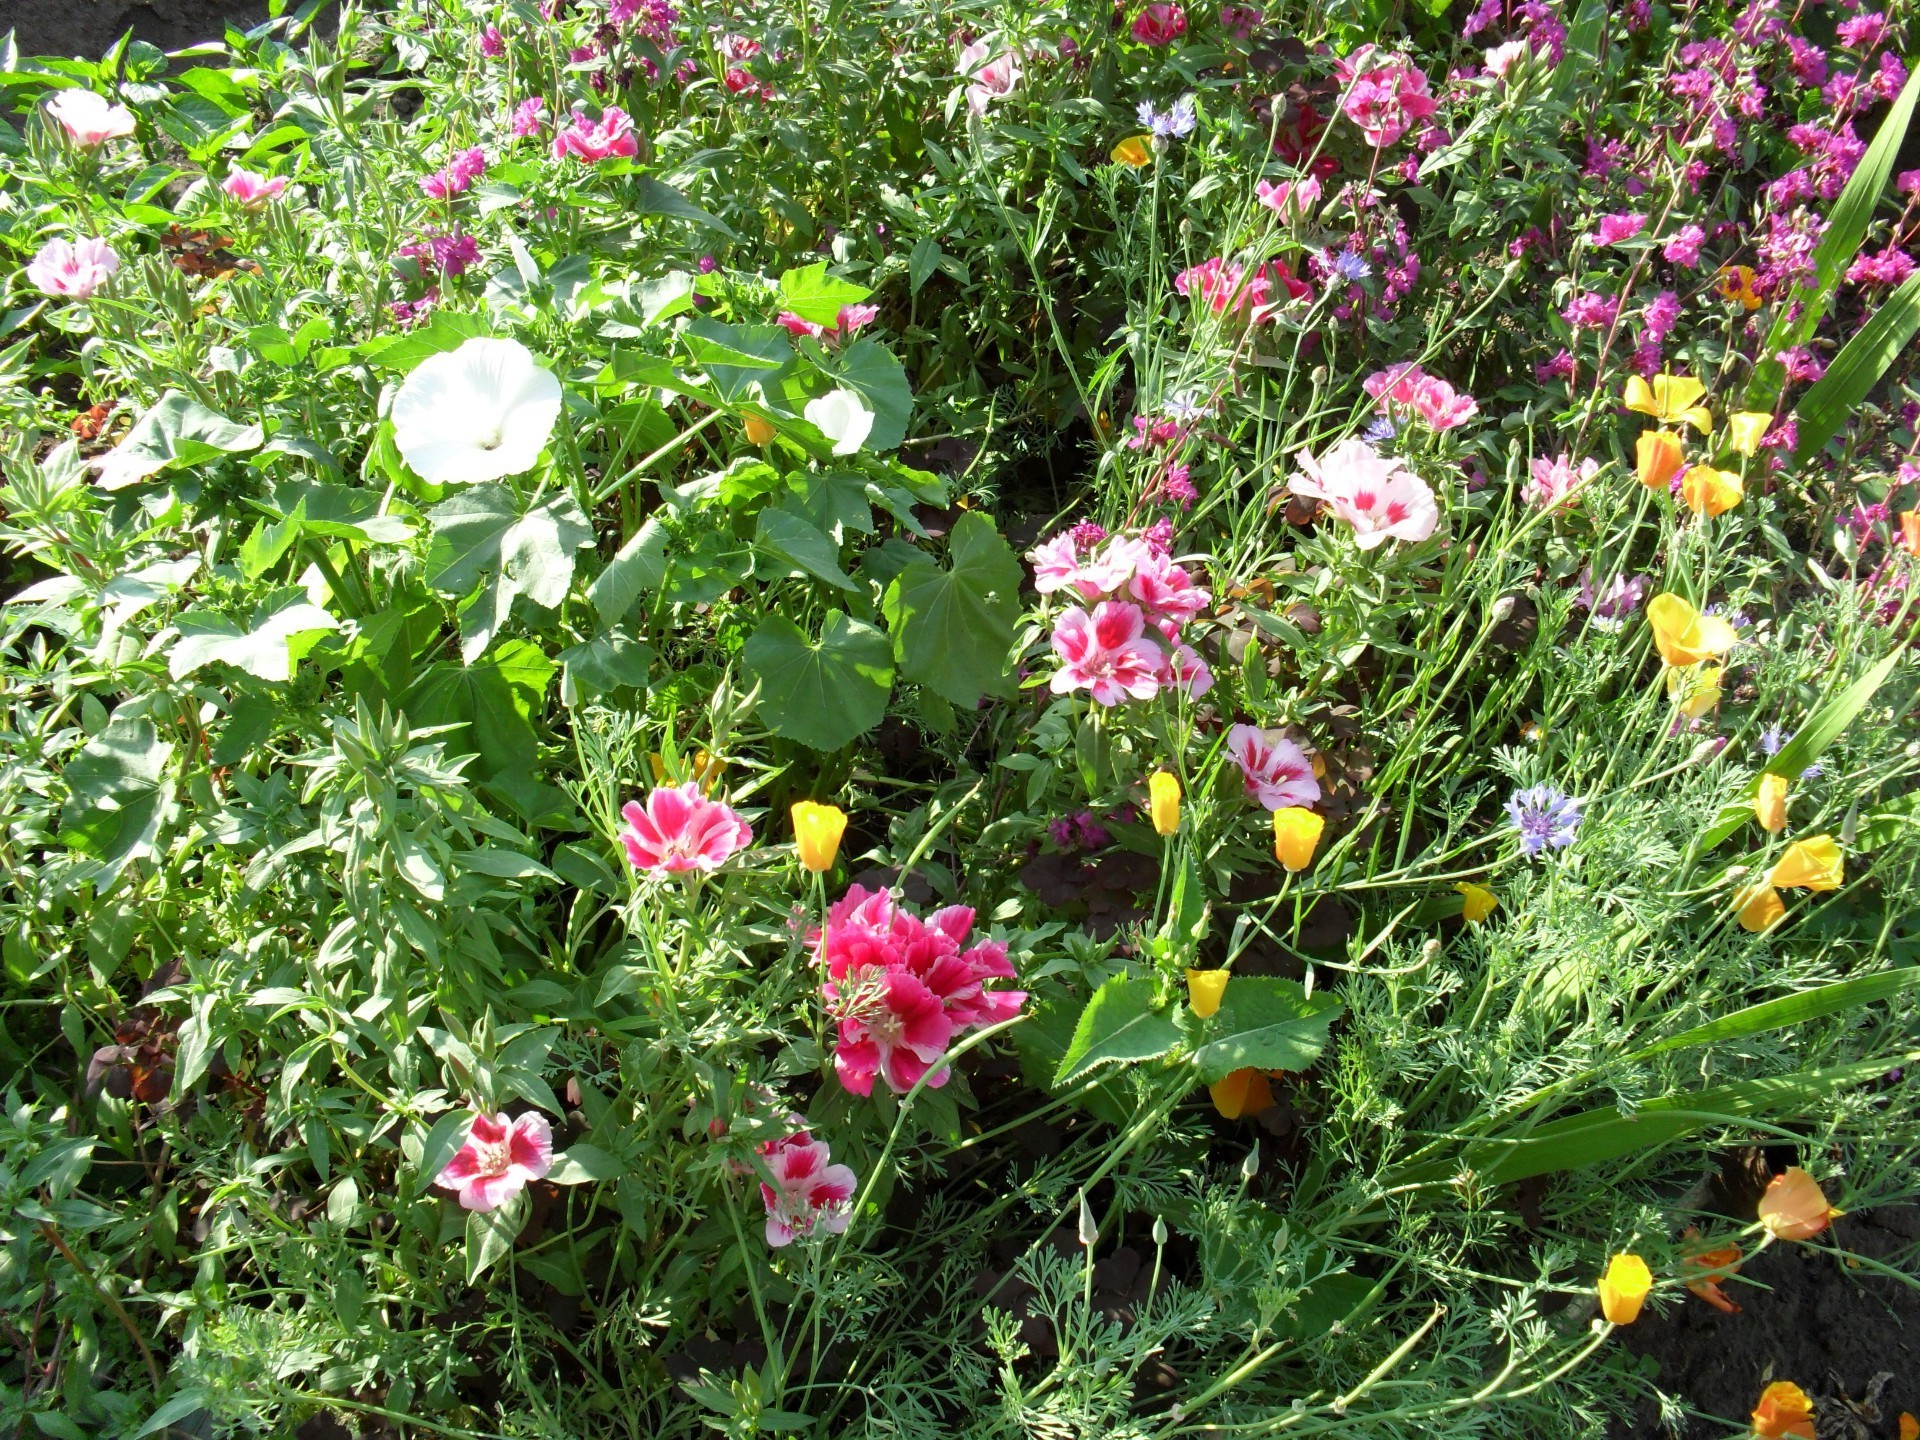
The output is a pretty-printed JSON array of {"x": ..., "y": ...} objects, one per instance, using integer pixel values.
[
  {"x": 492, "y": 43},
  {"x": 1351, "y": 267},
  {"x": 1174, "y": 123},
  {"x": 1684, "y": 248},
  {"x": 1544, "y": 817},
  {"x": 1773, "y": 740},
  {"x": 1592, "y": 311},
  {"x": 1622, "y": 226},
  {"x": 1621, "y": 598}
]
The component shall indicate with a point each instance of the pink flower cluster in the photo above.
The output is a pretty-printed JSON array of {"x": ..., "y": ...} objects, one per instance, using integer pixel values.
[
  {"x": 466, "y": 167},
  {"x": 848, "y": 323},
  {"x": 1406, "y": 390},
  {"x": 1383, "y": 94},
  {"x": 1127, "y": 646},
  {"x": 1276, "y": 771},
  {"x": 1228, "y": 285},
  {"x": 1379, "y": 497},
  {"x": 73, "y": 269},
  {"x": 902, "y": 989},
  {"x": 808, "y": 1196},
  {"x": 529, "y": 117},
  {"x": 679, "y": 829},
  {"x": 1554, "y": 482},
  {"x": 498, "y": 1159},
  {"x": 591, "y": 141}
]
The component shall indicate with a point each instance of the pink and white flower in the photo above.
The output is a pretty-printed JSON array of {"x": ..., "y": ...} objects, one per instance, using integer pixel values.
[
  {"x": 591, "y": 141},
  {"x": 1277, "y": 771},
  {"x": 73, "y": 269},
  {"x": 1166, "y": 590},
  {"x": 809, "y": 1196},
  {"x": 1379, "y": 497},
  {"x": 679, "y": 829},
  {"x": 1104, "y": 654},
  {"x": 88, "y": 119},
  {"x": 1384, "y": 95},
  {"x": 1057, "y": 565},
  {"x": 1414, "y": 393},
  {"x": 252, "y": 191},
  {"x": 1555, "y": 481},
  {"x": 991, "y": 76},
  {"x": 1290, "y": 199},
  {"x": 1229, "y": 285},
  {"x": 849, "y": 322},
  {"x": 738, "y": 49},
  {"x": 498, "y": 1159}
]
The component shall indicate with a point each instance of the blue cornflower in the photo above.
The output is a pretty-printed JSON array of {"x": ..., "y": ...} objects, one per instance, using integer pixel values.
[
  {"x": 1544, "y": 816},
  {"x": 1351, "y": 266},
  {"x": 1175, "y": 123},
  {"x": 1184, "y": 405},
  {"x": 1773, "y": 740},
  {"x": 1379, "y": 431}
]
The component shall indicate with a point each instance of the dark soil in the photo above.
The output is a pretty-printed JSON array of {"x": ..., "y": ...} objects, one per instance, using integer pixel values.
[
  {"x": 1808, "y": 1318},
  {"x": 85, "y": 29}
]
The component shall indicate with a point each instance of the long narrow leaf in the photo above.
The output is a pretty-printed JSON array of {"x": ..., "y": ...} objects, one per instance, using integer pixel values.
[
  {"x": 1857, "y": 368},
  {"x": 1792, "y": 1009}
]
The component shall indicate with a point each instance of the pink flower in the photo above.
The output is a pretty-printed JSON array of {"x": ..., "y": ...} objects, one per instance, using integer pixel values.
[
  {"x": 1384, "y": 95},
  {"x": 1167, "y": 591},
  {"x": 808, "y": 1196},
  {"x": 680, "y": 829},
  {"x": 498, "y": 1159},
  {"x": 1395, "y": 385},
  {"x": 1615, "y": 228},
  {"x": 1277, "y": 771},
  {"x": 459, "y": 174},
  {"x": 1239, "y": 20},
  {"x": 1500, "y": 59},
  {"x": 1057, "y": 565},
  {"x": 850, "y": 320},
  {"x": 1159, "y": 24},
  {"x": 593, "y": 141},
  {"x": 1186, "y": 672},
  {"x": 251, "y": 190},
  {"x": 1291, "y": 199},
  {"x": 1555, "y": 481},
  {"x": 738, "y": 49},
  {"x": 1409, "y": 389},
  {"x": 1104, "y": 654},
  {"x": 1378, "y": 497},
  {"x": 1228, "y": 285},
  {"x": 739, "y": 82},
  {"x": 991, "y": 77},
  {"x": 492, "y": 43},
  {"x": 88, "y": 119},
  {"x": 529, "y": 117},
  {"x": 1684, "y": 247},
  {"x": 74, "y": 269},
  {"x": 855, "y": 318}
]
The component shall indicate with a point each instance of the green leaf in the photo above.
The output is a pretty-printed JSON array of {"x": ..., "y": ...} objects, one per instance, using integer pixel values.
[
  {"x": 798, "y": 542},
  {"x": 117, "y": 794},
  {"x": 491, "y": 1233},
  {"x": 582, "y": 1164},
  {"x": 1792, "y": 1010},
  {"x": 952, "y": 629},
  {"x": 639, "y": 566},
  {"x": 1118, "y": 1025},
  {"x": 869, "y": 370},
  {"x": 655, "y": 197},
  {"x": 442, "y": 1143},
  {"x": 481, "y": 537},
  {"x": 1832, "y": 399},
  {"x": 812, "y": 294},
  {"x": 1265, "y": 1023},
  {"x": 602, "y": 664},
  {"x": 496, "y": 699},
  {"x": 176, "y": 432},
  {"x": 826, "y": 692},
  {"x": 447, "y": 330},
  {"x": 265, "y": 650}
]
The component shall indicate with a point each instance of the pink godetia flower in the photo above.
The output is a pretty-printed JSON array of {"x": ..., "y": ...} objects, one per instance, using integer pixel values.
[
  {"x": 737, "y": 49},
  {"x": 1185, "y": 671},
  {"x": 1410, "y": 392},
  {"x": 808, "y": 1196},
  {"x": 72, "y": 269},
  {"x": 591, "y": 141},
  {"x": 1227, "y": 285},
  {"x": 1059, "y": 564},
  {"x": 1617, "y": 227},
  {"x": 849, "y": 322},
  {"x": 1684, "y": 247},
  {"x": 902, "y": 988},
  {"x": 1159, "y": 25},
  {"x": 1555, "y": 481},
  {"x": 253, "y": 192},
  {"x": 1384, "y": 95},
  {"x": 1619, "y": 600},
  {"x": 492, "y": 43},
  {"x": 991, "y": 75},
  {"x": 88, "y": 119},
  {"x": 679, "y": 829},
  {"x": 529, "y": 117},
  {"x": 1379, "y": 497},
  {"x": 1277, "y": 771},
  {"x": 466, "y": 167},
  {"x": 1166, "y": 590},
  {"x": 1501, "y": 58},
  {"x": 1290, "y": 199},
  {"x": 498, "y": 1159},
  {"x": 1105, "y": 654}
]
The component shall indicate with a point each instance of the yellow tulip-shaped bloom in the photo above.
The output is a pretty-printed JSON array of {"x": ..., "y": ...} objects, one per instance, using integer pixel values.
[
  {"x": 1623, "y": 1289},
  {"x": 1794, "y": 1206},
  {"x": 759, "y": 431},
  {"x": 1746, "y": 429},
  {"x": 816, "y": 834},
  {"x": 1686, "y": 637},
  {"x": 1708, "y": 491},
  {"x": 1476, "y": 901},
  {"x": 1163, "y": 801},
  {"x": 1770, "y": 803},
  {"x": 1736, "y": 283},
  {"x": 1135, "y": 151},
  {"x": 1204, "y": 989},
  {"x": 1658, "y": 458},
  {"x": 1296, "y": 831},
  {"x": 1695, "y": 688},
  {"x": 1910, "y": 531},
  {"x": 1784, "y": 1410},
  {"x": 1669, "y": 399},
  {"x": 1814, "y": 863},
  {"x": 1759, "y": 907},
  {"x": 1244, "y": 1092}
]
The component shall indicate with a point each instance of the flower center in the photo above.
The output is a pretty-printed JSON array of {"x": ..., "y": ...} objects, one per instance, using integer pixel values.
[{"x": 493, "y": 1159}]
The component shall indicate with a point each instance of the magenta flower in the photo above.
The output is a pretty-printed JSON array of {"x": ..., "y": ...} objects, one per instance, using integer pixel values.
[
  {"x": 891, "y": 1026},
  {"x": 591, "y": 141},
  {"x": 73, "y": 269},
  {"x": 1623, "y": 225},
  {"x": 1228, "y": 285},
  {"x": 850, "y": 321},
  {"x": 1591, "y": 310},
  {"x": 1684, "y": 248},
  {"x": 808, "y": 1196},
  {"x": 1166, "y": 590},
  {"x": 529, "y": 117},
  {"x": 990, "y": 76},
  {"x": 1384, "y": 95},
  {"x": 1290, "y": 199},
  {"x": 88, "y": 119},
  {"x": 1277, "y": 771},
  {"x": 466, "y": 167},
  {"x": 1556, "y": 481},
  {"x": 1379, "y": 497},
  {"x": 679, "y": 829},
  {"x": 1159, "y": 25},
  {"x": 498, "y": 1159},
  {"x": 252, "y": 191},
  {"x": 1104, "y": 654},
  {"x": 492, "y": 43}
]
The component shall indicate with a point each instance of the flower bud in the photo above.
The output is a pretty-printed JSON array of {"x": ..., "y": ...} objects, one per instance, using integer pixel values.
[
  {"x": 1163, "y": 801},
  {"x": 816, "y": 834}
]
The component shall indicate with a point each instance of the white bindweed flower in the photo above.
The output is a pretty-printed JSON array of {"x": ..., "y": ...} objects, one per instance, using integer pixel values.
[
  {"x": 843, "y": 418},
  {"x": 477, "y": 413}
]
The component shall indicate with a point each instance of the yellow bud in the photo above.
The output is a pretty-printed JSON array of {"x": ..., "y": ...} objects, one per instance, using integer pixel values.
[
  {"x": 759, "y": 431},
  {"x": 1296, "y": 832},
  {"x": 1770, "y": 803},
  {"x": 1204, "y": 989},
  {"x": 1163, "y": 801},
  {"x": 1623, "y": 1289},
  {"x": 816, "y": 834},
  {"x": 1746, "y": 429},
  {"x": 1476, "y": 901}
]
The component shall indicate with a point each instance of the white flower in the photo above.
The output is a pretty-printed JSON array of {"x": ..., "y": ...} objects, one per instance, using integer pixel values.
[
  {"x": 88, "y": 118},
  {"x": 477, "y": 413},
  {"x": 841, "y": 416}
]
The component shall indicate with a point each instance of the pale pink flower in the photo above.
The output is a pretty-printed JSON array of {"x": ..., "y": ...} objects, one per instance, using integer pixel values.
[
  {"x": 1291, "y": 199},
  {"x": 992, "y": 76},
  {"x": 1104, "y": 653},
  {"x": 1159, "y": 25},
  {"x": 808, "y": 1196},
  {"x": 1555, "y": 481},
  {"x": 89, "y": 119},
  {"x": 680, "y": 829},
  {"x": 591, "y": 141},
  {"x": 1383, "y": 94},
  {"x": 738, "y": 49},
  {"x": 1186, "y": 672},
  {"x": 1277, "y": 771},
  {"x": 498, "y": 1159},
  {"x": 1166, "y": 590},
  {"x": 1395, "y": 385},
  {"x": 250, "y": 190},
  {"x": 1379, "y": 497},
  {"x": 1057, "y": 565},
  {"x": 1500, "y": 59},
  {"x": 1441, "y": 406},
  {"x": 73, "y": 269}
]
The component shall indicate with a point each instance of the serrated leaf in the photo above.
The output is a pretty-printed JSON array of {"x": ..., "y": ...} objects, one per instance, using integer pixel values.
[
  {"x": 797, "y": 541},
  {"x": 952, "y": 629},
  {"x": 826, "y": 692},
  {"x": 639, "y": 566},
  {"x": 1119, "y": 1024},
  {"x": 1265, "y": 1023}
]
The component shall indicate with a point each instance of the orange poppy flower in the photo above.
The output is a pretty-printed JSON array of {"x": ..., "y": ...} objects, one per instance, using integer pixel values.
[
  {"x": 1784, "y": 1409},
  {"x": 1736, "y": 283},
  {"x": 1814, "y": 863},
  {"x": 1910, "y": 531},
  {"x": 1770, "y": 803},
  {"x": 1296, "y": 831},
  {"x": 1760, "y": 907},
  {"x": 1243, "y": 1093},
  {"x": 1135, "y": 151},
  {"x": 1623, "y": 1289},
  {"x": 1658, "y": 458},
  {"x": 1712, "y": 1266},
  {"x": 1708, "y": 491},
  {"x": 1794, "y": 1206},
  {"x": 1476, "y": 901},
  {"x": 1909, "y": 1427}
]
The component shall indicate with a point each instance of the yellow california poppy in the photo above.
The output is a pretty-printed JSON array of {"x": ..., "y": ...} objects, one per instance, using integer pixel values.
[
  {"x": 1623, "y": 1289},
  {"x": 1794, "y": 1206},
  {"x": 1910, "y": 531},
  {"x": 1708, "y": 491},
  {"x": 1135, "y": 150},
  {"x": 1770, "y": 803},
  {"x": 1784, "y": 1410},
  {"x": 1759, "y": 907},
  {"x": 1244, "y": 1092},
  {"x": 1669, "y": 399},
  {"x": 1746, "y": 429},
  {"x": 759, "y": 431},
  {"x": 1694, "y": 688},
  {"x": 1686, "y": 637},
  {"x": 1476, "y": 901},
  {"x": 1658, "y": 458},
  {"x": 1296, "y": 831},
  {"x": 1163, "y": 801},
  {"x": 1814, "y": 863},
  {"x": 1204, "y": 989},
  {"x": 816, "y": 833},
  {"x": 1736, "y": 283}
]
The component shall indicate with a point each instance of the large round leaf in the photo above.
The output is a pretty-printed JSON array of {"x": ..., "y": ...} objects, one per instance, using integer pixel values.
[{"x": 821, "y": 692}]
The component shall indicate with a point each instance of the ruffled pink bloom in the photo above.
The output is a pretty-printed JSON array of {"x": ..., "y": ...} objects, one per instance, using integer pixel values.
[
  {"x": 591, "y": 141},
  {"x": 529, "y": 117},
  {"x": 252, "y": 191},
  {"x": 498, "y": 1159},
  {"x": 1555, "y": 481},
  {"x": 809, "y": 1196},
  {"x": 1104, "y": 654},
  {"x": 1291, "y": 199},
  {"x": 1277, "y": 771},
  {"x": 1159, "y": 25},
  {"x": 74, "y": 269},
  {"x": 1380, "y": 498},
  {"x": 1228, "y": 285},
  {"x": 1410, "y": 390},
  {"x": 1166, "y": 590},
  {"x": 1615, "y": 228},
  {"x": 466, "y": 167},
  {"x": 1500, "y": 59},
  {"x": 680, "y": 829},
  {"x": 991, "y": 76},
  {"x": 1384, "y": 95},
  {"x": 88, "y": 119},
  {"x": 1684, "y": 247}
]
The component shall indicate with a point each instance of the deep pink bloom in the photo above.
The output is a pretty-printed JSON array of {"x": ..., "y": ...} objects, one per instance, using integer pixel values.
[
  {"x": 1290, "y": 199},
  {"x": 1166, "y": 590},
  {"x": 1159, "y": 25},
  {"x": 73, "y": 269},
  {"x": 680, "y": 829},
  {"x": 458, "y": 175},
  {"x": 498, "y": 1159},
  {"x": 1104, "y": 653},
  {"x": 1379, "y": 497},
  {"x": 88, "y": 119},
  {"x": 591, "y": 141},
  {"x": 850, "y": 320},
  {"x": 1617, "y": 227},
  {"x": 1591, "y": 310},
  {"x": 1277, "y": 771},
  {"x": 1555, "y": 481},
  {"x": 492, "y": 43},
  {"x": 1887, "y": 267},
  {"x": 1228, "y": 285},
  {"x": 1684, "y": 248},
  {"x": 1383, "y": 95},
  {"x": 251, "y": 190},
  {"x": 529, "y": 117},
  {"x": 808, "y": 1197}
]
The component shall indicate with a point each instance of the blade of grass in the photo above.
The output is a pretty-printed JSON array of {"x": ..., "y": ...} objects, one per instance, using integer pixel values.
[{"x": 1857, "y": 369}]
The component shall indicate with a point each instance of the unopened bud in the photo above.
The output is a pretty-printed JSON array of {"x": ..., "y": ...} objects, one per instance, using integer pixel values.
[
  {"x": 1159, "y": 1231},
  {"x": 1089, "y": 1232},
  {"x": 1250, "y": 1166}
]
